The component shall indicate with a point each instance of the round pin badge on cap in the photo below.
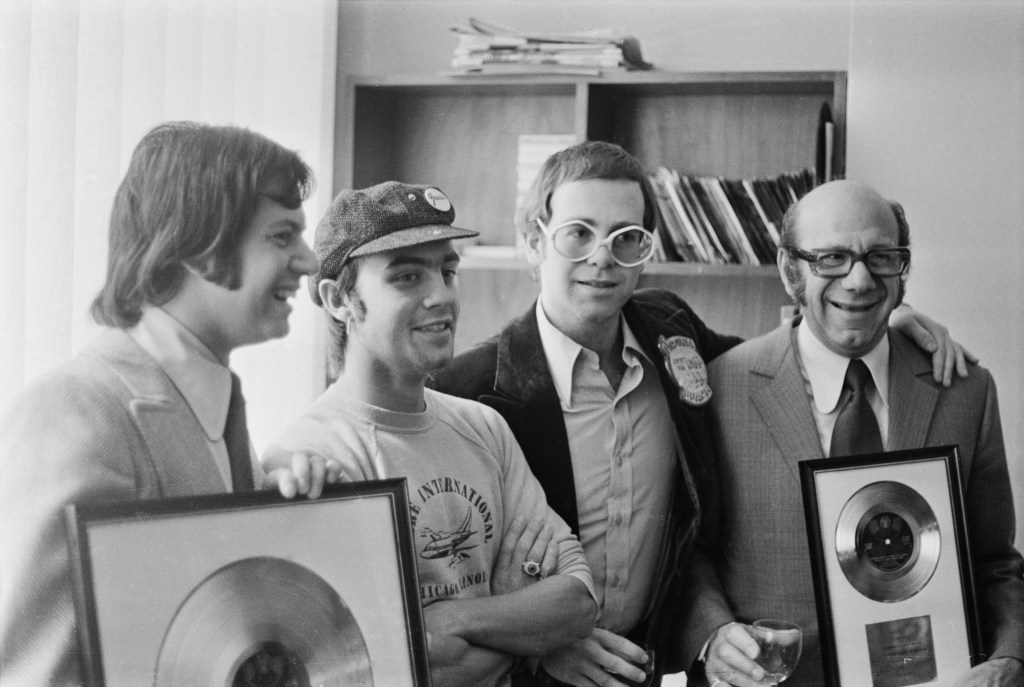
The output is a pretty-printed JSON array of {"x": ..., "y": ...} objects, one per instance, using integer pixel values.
[{"x": 437, "y": 200}]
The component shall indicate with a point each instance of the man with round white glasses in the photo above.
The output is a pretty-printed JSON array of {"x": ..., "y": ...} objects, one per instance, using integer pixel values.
[{"x": 577, "y": 240}]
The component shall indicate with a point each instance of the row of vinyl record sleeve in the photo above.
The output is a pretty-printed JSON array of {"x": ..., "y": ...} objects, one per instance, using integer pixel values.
[{"x": 716, "y": 221}]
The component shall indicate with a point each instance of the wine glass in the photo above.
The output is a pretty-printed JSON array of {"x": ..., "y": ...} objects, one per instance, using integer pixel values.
[{"x": 780, "y": 643}]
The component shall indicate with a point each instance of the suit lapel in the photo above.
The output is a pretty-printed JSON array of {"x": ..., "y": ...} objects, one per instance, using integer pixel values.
[
  {"x": 525, "y": 396},
  {"x": 783, "y": 403},
  {"x": 522, "y": 372},
  {"x": 912, "y": 396},
  {"x": 178, "y": 452}
]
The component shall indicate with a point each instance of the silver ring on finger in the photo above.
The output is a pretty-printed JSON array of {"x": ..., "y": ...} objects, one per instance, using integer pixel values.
[{"x": 532, "y": 569}]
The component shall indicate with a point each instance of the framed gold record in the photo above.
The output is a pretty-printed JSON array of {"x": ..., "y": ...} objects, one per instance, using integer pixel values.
[
  {"x": 890, "y": 558},
  {"x": 887, "y": 541},
  {"x": 250, "y": 590}
]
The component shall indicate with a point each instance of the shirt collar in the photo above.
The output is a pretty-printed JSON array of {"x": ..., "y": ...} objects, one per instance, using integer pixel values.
[
  {"x": 201, "y": 379},
  {"x": 562, "y": 352},
  {"x": 632, "y": 352},
  {"x": 826, "y": 369}
]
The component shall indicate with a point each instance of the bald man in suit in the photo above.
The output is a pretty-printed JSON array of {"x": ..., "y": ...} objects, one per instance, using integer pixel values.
[{"x": 778, "y": 400}]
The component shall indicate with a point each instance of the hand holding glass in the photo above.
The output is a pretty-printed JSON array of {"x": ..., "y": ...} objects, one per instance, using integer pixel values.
[
  {"x": 647, "y": 667},
  {"x": 780, "y": 643}
]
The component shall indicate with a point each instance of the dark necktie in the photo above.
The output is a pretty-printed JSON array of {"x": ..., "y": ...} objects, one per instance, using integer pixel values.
[
  {"x": 236, "y": 438},
  {"x": 856, "y": 429}
]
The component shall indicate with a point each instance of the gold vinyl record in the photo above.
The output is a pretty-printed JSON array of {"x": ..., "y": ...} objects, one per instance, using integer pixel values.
[
  {"x": 263, "y": 622},
  {"x": 887, "y": 541}
]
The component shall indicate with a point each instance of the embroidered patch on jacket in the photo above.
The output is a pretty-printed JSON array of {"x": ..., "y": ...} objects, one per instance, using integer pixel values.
[{"x": 686, "y": 366}]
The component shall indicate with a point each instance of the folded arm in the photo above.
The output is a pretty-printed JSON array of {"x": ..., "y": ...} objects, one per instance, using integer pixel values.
[
  {"x": 532, "y": 621},
  {"x": 454, "y": 662}
]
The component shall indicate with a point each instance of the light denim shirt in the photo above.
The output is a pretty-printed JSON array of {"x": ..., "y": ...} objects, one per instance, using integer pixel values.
[{"x": 624, "y": 450}]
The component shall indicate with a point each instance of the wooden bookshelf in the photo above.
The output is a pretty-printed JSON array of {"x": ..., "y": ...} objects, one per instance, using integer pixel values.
[{"x": 461, "y": 134}]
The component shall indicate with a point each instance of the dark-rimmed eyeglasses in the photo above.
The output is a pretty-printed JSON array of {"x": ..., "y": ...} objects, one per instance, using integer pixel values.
[
  {"x": 881, "y": 262},
  {"x": 577, "y": 240}
]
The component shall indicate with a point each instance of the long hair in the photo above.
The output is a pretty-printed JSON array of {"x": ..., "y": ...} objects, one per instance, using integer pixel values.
[
  {"x": 337, "y": 330},
  {"x": 188, "y": 196}
]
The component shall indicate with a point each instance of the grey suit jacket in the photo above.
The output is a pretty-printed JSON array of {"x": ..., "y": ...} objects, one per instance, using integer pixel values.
[
  {"x": 752, "y": 559},
  {"x": 107, "y": 426}
]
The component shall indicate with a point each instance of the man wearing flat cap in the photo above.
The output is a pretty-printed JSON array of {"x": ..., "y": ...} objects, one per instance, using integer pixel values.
[{"x": 501, "y": 575}]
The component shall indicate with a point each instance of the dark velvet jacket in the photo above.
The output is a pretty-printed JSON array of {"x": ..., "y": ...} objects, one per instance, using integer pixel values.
[{"x": 510, "y": 373}]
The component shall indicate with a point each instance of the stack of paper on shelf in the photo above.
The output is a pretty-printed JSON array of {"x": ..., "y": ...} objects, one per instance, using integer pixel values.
[
  {"x": 716, "y": 221},
  {"x": 488, "y": 49}
]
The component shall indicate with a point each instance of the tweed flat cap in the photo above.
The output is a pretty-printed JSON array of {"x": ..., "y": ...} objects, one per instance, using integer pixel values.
[{"x": 377, "y": 219}]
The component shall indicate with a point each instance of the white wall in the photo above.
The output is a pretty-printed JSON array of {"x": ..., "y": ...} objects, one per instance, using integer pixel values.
[
  {"x": 935, "y": 116},
  {"x": 936, "y": 120}
]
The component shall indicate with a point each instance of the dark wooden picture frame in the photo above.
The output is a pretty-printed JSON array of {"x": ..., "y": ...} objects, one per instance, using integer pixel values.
[
  {"x": 222, "y": 589},
  {"x": 885, "y": 618}
]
